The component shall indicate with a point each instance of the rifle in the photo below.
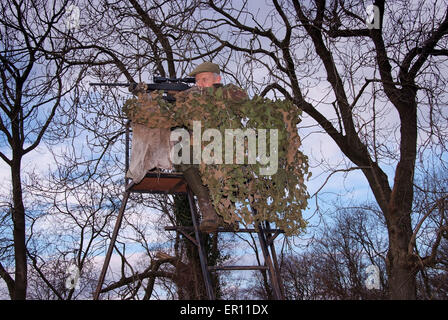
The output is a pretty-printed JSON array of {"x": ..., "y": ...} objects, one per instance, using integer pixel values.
[{"x": 160, "y": 83}]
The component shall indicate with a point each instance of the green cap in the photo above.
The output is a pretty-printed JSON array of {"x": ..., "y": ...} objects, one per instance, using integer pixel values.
[{"x": 205, "y": 67}]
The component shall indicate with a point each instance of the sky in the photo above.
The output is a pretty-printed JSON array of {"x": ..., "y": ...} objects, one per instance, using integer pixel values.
[{"x": 318, "y": 146}]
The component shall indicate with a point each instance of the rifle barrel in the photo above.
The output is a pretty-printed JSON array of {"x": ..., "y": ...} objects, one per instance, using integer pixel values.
[
  {"x": 177, "y": 86},
  {"x": 163, "y": 79},
  {"x": 166, "y": 86},
  {"x": 117, "y": 84}
]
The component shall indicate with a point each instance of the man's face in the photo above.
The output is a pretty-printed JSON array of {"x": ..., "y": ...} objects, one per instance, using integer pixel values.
[{"x": 207, "y": 79}]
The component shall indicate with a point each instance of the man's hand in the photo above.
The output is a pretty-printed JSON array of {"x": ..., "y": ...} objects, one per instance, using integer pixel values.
[{"x": 136, "y": 89}]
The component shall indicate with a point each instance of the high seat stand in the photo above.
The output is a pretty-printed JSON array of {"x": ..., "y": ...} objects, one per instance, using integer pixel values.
[{"x": 174, "y": 183}]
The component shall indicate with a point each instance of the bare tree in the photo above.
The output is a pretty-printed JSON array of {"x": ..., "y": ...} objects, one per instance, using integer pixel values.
[
  {"x": 431, "y": 232},
  {"x": 68, "y": 228},
  {"x": 378, "y": 93},
  {"x": 33, "y": 90},
  {"x": 335, "y": 264},
  {"x": 130, "y": 40},
  {"x": 363, "y": 76}
]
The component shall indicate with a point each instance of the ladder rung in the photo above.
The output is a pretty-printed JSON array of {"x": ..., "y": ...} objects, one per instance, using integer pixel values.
[
  {"x": 224, "y": 229},
  {"x": 213, "y": 268}
]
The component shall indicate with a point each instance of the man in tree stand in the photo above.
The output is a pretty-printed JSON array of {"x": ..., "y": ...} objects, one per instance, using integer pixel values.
[
  {"x": 207, "y": 75},
  {"x": 151, "y": 140}
]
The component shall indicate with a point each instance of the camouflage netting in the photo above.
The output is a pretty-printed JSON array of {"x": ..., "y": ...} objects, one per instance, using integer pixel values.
[{"x": 239, "y": 192}]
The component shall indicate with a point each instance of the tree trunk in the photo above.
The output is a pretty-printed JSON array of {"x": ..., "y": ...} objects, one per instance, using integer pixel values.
[
  {"x": 18, "y": 213},
  {"x": 401, "y": 269},
  {"x": 401, "y": 266}
]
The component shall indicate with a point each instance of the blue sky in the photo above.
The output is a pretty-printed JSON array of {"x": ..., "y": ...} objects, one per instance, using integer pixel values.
[{"x": 351, "y": 186}]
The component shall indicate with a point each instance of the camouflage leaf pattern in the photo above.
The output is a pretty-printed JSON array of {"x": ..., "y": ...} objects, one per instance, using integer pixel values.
[{"x": 238, "y": 191}]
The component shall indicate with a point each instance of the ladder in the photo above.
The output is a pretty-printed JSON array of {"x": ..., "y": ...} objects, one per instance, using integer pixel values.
[{"x": 174, "y": 183}]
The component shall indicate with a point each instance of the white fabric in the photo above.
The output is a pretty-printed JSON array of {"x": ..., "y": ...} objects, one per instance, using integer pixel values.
[{"x": 150, "y": 149}]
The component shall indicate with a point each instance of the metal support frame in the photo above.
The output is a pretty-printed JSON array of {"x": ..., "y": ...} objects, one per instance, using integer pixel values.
[
  {"x": 266, "y": 238},
  {"x": 111, "y": 246},
  {"x": 269, "y": 258},
  {"x": 200, "y": 243}
]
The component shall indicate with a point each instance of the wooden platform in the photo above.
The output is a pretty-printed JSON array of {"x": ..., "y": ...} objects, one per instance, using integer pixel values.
[{"x": 155, "y": 182}]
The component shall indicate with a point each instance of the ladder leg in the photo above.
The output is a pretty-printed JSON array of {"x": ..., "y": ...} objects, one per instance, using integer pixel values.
[
  {"x": 274, "y": 260},
  {"x": 268, "y": 260},
  {"x": 202, "y": 255},
  {"x": 111, "y": 246}
]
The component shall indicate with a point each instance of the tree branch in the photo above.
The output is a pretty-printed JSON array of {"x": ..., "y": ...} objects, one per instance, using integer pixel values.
[
  {"x": 426, "y": 50},
  {"x": 8, "y": 279}
]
